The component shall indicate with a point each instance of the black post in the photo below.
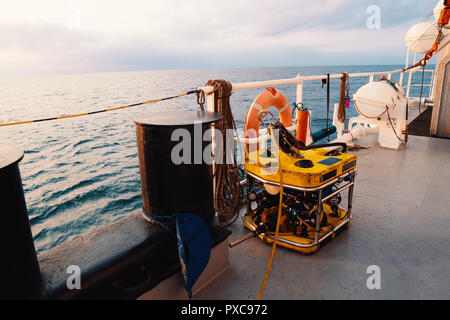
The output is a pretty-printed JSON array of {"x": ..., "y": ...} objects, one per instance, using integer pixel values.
[
  {"x": 20, "y": 277},
  {"x": 168, "y": 187}
]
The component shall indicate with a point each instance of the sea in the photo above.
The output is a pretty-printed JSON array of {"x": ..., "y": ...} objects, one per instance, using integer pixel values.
[{"x": 82, "y": 173}]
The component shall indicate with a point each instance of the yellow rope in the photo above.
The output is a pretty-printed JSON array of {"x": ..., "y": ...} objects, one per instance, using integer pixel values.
[
  {"x": 95, "y": 112},
  {"x": 269, "y": 266}
]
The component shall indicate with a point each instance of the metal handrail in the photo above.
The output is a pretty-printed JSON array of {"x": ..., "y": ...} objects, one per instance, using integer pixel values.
[{"x": 298, "y": 80}]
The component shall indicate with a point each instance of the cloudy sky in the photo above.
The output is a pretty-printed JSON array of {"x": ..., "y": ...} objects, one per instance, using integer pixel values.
[{"x": 79, "y": 36}]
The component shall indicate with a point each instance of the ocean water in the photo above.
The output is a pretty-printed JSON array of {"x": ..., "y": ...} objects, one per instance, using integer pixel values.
[{"x": 80, "y": 173}]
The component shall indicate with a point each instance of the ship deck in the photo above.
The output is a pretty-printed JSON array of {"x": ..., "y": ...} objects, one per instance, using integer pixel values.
[{"x": 401, "y": 223}]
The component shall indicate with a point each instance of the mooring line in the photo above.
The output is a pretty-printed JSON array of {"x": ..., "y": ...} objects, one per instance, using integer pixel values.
[{"x": 98, "y": 111}]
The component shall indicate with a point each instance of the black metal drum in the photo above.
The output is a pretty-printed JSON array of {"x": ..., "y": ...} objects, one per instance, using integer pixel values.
[
  {"x": 20, "y": 277},
  {"x": 175, "y": 178}
]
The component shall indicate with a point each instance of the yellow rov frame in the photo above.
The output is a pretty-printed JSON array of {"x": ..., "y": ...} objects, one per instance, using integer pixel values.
[{"x": 312, "y": 172}]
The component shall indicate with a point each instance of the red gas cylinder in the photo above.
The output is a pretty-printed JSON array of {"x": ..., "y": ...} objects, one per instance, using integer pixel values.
[{"x": 302, "y": 125}]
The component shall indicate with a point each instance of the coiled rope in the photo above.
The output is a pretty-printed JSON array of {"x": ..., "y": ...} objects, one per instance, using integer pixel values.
[
  {"x": 228, "y": 191},
  {"x": 98, "y": 111},
  {"x": 344, "y": 94}
]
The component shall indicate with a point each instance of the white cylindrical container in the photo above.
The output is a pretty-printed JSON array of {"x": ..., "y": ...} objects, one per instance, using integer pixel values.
[
  {"x": 421, "y": 37},
  {"x": 372, "y": 99}
]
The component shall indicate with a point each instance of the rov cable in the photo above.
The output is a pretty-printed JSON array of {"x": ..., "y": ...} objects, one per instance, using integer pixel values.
[
  {"x": 99, "y": 111},
  {"x": 277, "y": 230},
  {"x": 274, "y": 246}
]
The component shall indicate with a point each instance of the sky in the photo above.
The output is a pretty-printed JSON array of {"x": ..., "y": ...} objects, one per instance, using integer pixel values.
[{"x": 82, "y": 36}]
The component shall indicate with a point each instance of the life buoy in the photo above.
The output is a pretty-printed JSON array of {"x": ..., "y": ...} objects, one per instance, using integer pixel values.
[{"x": 268, "y": 98}]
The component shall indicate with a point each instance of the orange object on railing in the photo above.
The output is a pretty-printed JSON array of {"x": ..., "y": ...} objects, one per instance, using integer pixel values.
[
  {"x": 444, "y": 18},
  {"x": 302, "y": 125}
]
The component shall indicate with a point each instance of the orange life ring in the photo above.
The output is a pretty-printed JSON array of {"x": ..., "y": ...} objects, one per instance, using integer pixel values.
[{"x": 268, "y": 98}]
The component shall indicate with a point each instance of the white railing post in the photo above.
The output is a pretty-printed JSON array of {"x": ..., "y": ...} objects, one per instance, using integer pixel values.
[
  {"x": 210, "y": 102},
  {"x": 299, "y": 98},
  {"x": 432, "y": 83},
  {"x": 410, "y": 77},
  {"x": 210, "y": 108},
  {"x": 406, "y": 66}
]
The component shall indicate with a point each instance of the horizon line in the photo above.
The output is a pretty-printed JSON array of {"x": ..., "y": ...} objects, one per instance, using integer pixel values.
[{"x": 196, "y": 69}]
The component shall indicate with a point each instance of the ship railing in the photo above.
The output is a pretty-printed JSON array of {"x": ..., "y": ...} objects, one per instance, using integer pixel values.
[
  {"x": 300, "y": 80},
  {"x": 410, "y": 84}
]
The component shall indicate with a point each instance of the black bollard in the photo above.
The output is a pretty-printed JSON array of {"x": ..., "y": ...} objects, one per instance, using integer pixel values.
[
  {"x": 168, "y": 187},
  {"x": 20, "y": 277}
]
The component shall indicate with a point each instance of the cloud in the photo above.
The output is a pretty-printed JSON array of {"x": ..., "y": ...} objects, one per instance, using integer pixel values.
[{"x": 160, "y": 34}]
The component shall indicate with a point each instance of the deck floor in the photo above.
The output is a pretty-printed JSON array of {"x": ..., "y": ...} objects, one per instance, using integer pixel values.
[
  {"x": 401, "y": 223},
  {"x": 420, "y": 126}
]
